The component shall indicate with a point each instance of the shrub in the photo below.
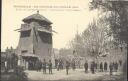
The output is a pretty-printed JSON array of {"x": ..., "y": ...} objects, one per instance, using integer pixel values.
[{"x": 18, "y": 75}]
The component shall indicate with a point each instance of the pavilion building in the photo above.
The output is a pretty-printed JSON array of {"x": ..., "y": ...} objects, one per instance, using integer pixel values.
[{"x": 35, "y": 39}]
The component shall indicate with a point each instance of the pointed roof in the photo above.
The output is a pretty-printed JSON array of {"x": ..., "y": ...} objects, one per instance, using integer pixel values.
[{"x": 38, "y": 17}]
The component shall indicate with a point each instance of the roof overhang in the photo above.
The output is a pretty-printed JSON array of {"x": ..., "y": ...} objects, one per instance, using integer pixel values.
[
  {"x": 23, "y": 29},
  {"x": 29, "y": 55},
  {"x": 44, "y": 30}
]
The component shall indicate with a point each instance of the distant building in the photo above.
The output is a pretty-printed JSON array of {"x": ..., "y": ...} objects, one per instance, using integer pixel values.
[
  {"x": 9, "y": 57},
  {"x": 3, "y": 59}
]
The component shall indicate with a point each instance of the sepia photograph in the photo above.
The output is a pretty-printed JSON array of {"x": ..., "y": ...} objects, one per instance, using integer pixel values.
[{"x": 64, "y": 40}]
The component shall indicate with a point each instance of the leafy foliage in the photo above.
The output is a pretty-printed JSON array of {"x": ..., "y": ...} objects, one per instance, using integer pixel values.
[
  {"x": 93, "y": 40},
  {"x": 118, "y": 18}
]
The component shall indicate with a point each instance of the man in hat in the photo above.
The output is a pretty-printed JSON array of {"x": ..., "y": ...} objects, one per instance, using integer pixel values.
[
  {"x": 50, "y": 67},
  {"x": 86, "y": 66},
  {"x": 67, "y": 67},
  {"x": 44, "y": 66},
  {"x": 93, "y": 67},
  {"x": 101, "y": 67},
  {"x": 105, "y": 66},
  {"x": 111, "y": 68}
]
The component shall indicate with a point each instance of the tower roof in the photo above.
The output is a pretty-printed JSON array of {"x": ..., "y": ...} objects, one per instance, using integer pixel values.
[{"x": 38, "y": 17}]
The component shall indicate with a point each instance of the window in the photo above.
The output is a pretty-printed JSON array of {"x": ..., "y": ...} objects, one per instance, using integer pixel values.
[
  {"x": 46, "y": 37},
  {"x": 25, "y": 33}
]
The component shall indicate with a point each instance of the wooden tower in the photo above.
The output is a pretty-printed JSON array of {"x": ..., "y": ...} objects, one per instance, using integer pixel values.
[{"x": 35, "y": 36}]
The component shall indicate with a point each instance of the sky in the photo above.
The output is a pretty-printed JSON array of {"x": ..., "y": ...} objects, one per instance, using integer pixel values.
[{"x": 66, "y": 20}]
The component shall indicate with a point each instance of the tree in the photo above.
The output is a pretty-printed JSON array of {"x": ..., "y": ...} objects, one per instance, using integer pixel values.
[
  {"x": 92, "y": 41},
  {"x": 18, "y": 75},
  {"x": 76, "y": 45},
  {"x": 117, "y": 19},
  {"x": 96, "y": 37}
]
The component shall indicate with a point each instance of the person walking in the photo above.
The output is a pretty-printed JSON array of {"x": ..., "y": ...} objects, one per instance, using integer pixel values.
[
  {"x": 37, "y": 65},
  {"x": 105, "y": 66},
  {"x": 86, "y": 66},
  {"x": 93, "y": 67},
  {"x": 40, "y": 65},
  {"x": 116, "y": 66},
  {"x": 60, "y": 65},
  {"x": 101, "y": 67},
  {"x": 58, "y": 68},
  {"x": 56, "y": 62},
  {"x": 73, "y": 65},
  {"x": 44, "y": 66},
  {"x": 6, "y": 68},
  {"x": 67, "y": 67},
  {"x": 50, "y": 67},
  {"x": 113, "y": 64},
  {"x": 111, "y": 68}
]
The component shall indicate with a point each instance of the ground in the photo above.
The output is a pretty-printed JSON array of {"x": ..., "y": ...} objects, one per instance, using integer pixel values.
[{"x": 78, "y": 74}]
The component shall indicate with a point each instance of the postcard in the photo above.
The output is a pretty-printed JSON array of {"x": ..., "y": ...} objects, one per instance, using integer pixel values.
[{"x": 84, "y": 40}]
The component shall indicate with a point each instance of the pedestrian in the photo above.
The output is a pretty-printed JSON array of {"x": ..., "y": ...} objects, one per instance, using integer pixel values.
[
  {"x": 67, "y": 67},
  {"x": 116, "y": 66},
  {"x": 40, "y": 65},
  {"x": 6, "y": 68},
  {"x": 79, "y": 63},
  {"x": 44, "y": 66},
  {"x": 93, "y": 67},
  {"x": 73, "y": 65},
  {"x": 37, "y": 65},
  {"x": 60, "y": 64},
  {"x": 111, "y": 68},
  {"x": 86, "y": 66},
  {"x": 101, "y": 67},
  {"x": 105, "y": 66},
  {"x": 56, "y": 62},
  {"x": 50, "y": 67}
]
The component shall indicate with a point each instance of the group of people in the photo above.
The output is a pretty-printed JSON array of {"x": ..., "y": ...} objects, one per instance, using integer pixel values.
[
  {"x": 113, "y": 67},
  {"x": 59, "y": 66},
  {"x": 102, "y": 67},
  {"x": 44, "y": 65}
]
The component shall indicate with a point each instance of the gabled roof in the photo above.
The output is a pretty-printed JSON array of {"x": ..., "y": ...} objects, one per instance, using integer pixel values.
[{"x": 37, "y": 17}]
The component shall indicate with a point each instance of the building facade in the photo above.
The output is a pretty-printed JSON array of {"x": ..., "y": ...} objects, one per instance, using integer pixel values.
[{"x": 35, "y": 37}]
